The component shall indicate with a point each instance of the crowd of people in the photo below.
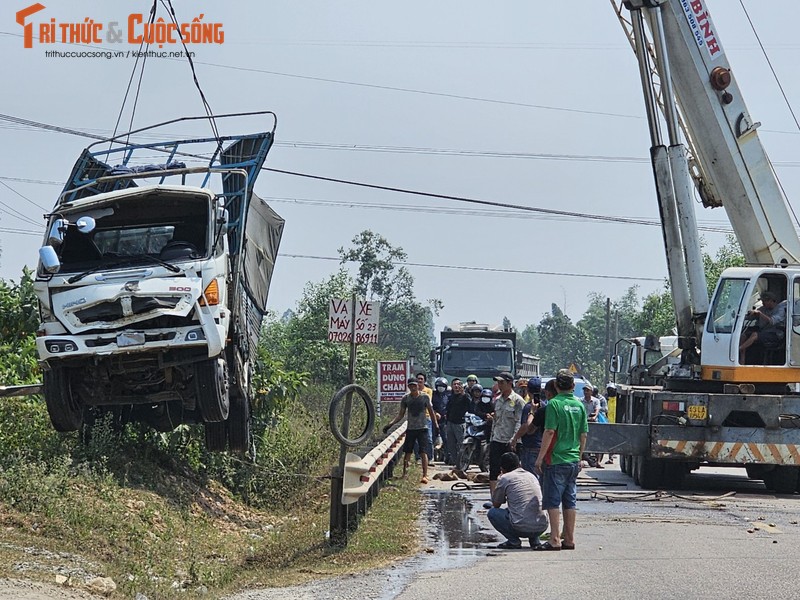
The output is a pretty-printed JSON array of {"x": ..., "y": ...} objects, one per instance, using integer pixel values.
[{"x": 536, "y": 436}]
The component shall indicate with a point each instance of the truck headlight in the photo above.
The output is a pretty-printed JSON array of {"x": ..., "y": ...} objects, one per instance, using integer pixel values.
[{"x": 60, "y": 346}]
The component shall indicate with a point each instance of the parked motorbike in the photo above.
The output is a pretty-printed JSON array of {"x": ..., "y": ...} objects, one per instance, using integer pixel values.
[{"x": 475, "y": 448}]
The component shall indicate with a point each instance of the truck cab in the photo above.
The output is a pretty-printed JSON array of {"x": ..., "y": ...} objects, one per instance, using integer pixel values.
[{"x": 151, "y": 295}]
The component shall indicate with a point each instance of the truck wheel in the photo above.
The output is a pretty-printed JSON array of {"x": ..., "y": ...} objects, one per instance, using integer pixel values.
[
  {"x": 239, "y": 424},
  {"x": 756, "y": 471},
  {"x": 216, "y": 436},
  {"x": 651, "y": 473},
  {"x": 627, "y": 465},
  {"x": 782, "y": 479},
  {"x": 211, "y": 385},
  {"x": 674, "y": 474},
  {"x": 63, "y": 405}
]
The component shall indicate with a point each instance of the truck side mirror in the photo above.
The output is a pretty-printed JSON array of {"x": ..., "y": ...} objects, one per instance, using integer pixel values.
[
  {"x": 85, "y": 225},
  {"x": 49, "y": 259},
  {"x": 616, "y": 360},
  {"x": 56, "y": 235}
]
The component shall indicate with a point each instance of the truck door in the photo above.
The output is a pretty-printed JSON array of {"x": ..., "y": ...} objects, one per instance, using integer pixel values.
[{"x": 793, "y": 317}]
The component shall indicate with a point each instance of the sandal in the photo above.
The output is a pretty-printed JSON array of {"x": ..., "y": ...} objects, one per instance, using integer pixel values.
[
  {"x": 423, "y": 480},
  {"x": 508, "y": 546},
  {"x": 546, "y": 547},
  {"x": 567, "y": 546}
]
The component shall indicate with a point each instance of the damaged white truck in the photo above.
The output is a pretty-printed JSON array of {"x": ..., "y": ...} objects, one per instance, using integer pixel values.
[{"x": 153, "y": 282}]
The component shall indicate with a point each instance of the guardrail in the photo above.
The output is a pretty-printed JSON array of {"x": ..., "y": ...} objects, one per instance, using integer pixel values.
[
  {"x": 357, "y": 479},
  {"x": 9, "y": 391},
  {"x": 362, "y": 473}
]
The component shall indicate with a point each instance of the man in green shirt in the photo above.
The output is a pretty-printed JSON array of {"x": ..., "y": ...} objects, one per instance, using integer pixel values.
[{"x": 565, "y": 429}]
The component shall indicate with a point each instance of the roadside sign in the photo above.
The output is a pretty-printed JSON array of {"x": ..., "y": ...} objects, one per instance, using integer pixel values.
[
  {"x": 392, "y": 378},
  {"x": 340, "y": 321}
]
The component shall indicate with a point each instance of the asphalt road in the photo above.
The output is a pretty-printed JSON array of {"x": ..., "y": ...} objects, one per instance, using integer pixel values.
[
  {"x": 721, "y": 537},
  {"x": 700, "y": 542}
]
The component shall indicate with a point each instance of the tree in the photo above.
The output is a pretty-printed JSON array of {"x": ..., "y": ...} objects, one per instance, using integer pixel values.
[
  {"x": 19, "y": 318},
  {"x": 528, "y": 340},
  {"x": 658, "y": 314},
  {"x": 298, "y": 341},
  {"x": 560, "y": 342},
  {"x": 406, "y": 324}
]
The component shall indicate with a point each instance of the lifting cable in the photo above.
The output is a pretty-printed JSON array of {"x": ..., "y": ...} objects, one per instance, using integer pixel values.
[
  {"x": 206, "y": 106},
  {"x": 150, "y": 20}
]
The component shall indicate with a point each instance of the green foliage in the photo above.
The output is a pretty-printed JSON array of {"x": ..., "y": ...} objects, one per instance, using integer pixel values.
[
  {"x": 19, "y": 319},
  {"x": 528, "y": 340},
  {"x": 406, "y": 325},
  {"x": 561, "y": 342}
]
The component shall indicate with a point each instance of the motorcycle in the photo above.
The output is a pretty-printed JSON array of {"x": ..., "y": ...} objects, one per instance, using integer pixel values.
[{"x": 475, "y": 447}]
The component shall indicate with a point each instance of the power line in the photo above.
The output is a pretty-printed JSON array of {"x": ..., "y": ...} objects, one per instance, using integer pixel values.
[
  {"x": 23, "y": 197},
  {"x": 484, "y": 269},
  {"x": 710, "y": 226},
  {"x": 14, "y": 212},
  {"x": 20, "y": 231},
  {"x": 384, "y": 188},
  {"x": 507, "y": 205},
  {"x": 391, "y": 88}
]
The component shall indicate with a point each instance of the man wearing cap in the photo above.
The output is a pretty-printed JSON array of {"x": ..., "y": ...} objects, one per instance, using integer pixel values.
[
  {"x": 770, "y": 327},
  {"x": 419, "y": 409},
  {"x": 505, "y": 422},
  {"x": 565, "y": 429}
]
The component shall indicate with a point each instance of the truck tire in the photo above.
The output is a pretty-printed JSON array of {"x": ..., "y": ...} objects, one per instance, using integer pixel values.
[
  {"x": 211, "y": 386},
  {"x": 63, "y": 405},
  {"x": 674, "y": 474},
  {"x": 333, "y": 410},
  {"x": 627, "y": 465},
  {"x": 782, "y": 479},
  {"x": 239, "y": 431},
  {"x": 216, "y": 436},
  {"x": 650, "y": 473},
  {"x": 756, "y": 471}
]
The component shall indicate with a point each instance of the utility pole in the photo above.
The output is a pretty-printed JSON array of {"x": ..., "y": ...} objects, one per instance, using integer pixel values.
[{"x": 607, "y": 350}]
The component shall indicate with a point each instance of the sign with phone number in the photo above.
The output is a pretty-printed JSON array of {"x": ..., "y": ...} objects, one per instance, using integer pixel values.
[{"x": 340, "y": 321}]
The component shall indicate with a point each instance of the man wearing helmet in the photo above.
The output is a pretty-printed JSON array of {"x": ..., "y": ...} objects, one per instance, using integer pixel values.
[{"x": 471, "y": 380}]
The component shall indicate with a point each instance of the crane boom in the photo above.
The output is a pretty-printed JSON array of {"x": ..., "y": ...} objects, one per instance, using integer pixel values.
[{"x": 730, "y": 164}]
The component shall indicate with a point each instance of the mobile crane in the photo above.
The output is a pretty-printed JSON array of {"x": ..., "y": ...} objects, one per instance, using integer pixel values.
[{"x": 719, "y": 405}]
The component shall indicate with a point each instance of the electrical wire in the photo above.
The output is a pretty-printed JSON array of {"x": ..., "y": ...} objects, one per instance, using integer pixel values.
[
  {"x": 785, "y": 99},
  {"x": 482, "y": 269},
  {"x": 14, "y": 212},
  {"x": 546, "y": 211},
  {"x": 483, "y": 213},
  {"x": 4, "y": 184},
  {"x": 20, "y": 231}
]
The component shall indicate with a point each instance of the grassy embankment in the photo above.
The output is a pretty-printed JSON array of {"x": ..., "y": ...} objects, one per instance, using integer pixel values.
[{"x": 160, "y": 516}]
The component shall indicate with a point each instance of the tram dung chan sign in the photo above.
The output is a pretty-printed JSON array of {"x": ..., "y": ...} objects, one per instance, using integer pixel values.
[
  {"x": 340, "y": 321},
  {"x": 392, "y": 379}
]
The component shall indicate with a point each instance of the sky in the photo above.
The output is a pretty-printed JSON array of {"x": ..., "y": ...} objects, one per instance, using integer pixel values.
[{"x": 528, "y": 103}]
